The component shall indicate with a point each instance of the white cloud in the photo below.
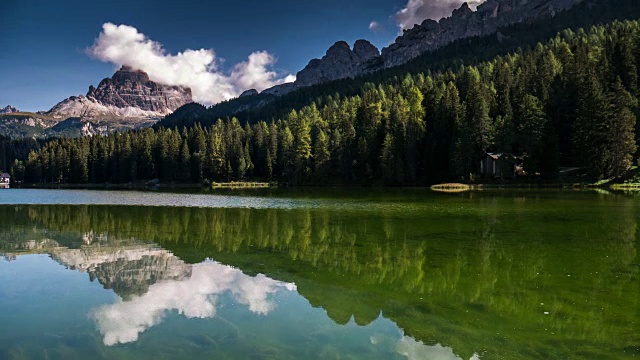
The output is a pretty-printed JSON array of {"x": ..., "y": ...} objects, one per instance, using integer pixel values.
[
  {"x": 416, "y": 11},
  {"x": 414, "y": 350},
  {"x": 374, "y": 26},
  {"x": 195, "y": 297},
  {"x": 197, "y": 69}
]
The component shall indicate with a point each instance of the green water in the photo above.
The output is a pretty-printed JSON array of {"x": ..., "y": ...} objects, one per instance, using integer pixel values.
[{"x": 344, "y": 274}]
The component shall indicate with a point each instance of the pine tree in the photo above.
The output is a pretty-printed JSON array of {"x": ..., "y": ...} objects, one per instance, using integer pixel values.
[
  {"x": 415, "y": 131},
  {"x": 185, "y": 162},
  {"x": 475, "y": 133},
  {"x": 621, "y": 122},
  {"x": 530, "y": 132},
  {"x": 589, "y": 133},
  {"x": 301, "y": 130},
  {"x": 388, "y": 159},
  {"x": 321, "y": 155}
]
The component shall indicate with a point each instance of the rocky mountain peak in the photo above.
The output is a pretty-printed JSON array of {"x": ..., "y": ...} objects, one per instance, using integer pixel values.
[
  {"x": 249, "y": 92},
  {"x": 128, "y": 93},
  {"x": 128, "y": 74},
  {"x": 339, "y": 62},
  {"x": 8, "y": 109},
  {"x": 365, "y": 50},
  {"x": 462, "y": 11},
  {"x": 339, "y": 48}
]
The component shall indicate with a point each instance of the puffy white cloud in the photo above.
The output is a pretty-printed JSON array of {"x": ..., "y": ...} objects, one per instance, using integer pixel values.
[
  {"x": 195, "y": 297},
  {"x": 197, "y": 69},
  {"x": 414, "y": 350},
  {"x": 374, "y": 26},
  {"x": 416, "y": 11}
]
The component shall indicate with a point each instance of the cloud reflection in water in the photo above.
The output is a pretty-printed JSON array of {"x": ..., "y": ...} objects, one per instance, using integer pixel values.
[{"x": 195, "y": 297}]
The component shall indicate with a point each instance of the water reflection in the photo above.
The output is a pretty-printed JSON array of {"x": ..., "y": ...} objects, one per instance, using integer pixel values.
[
  {"x": 495, "y": 277},
  {"x": 152, "y": 283},
  {"x": 193, "y": 297},
  {"x": 416, "y": 350}
]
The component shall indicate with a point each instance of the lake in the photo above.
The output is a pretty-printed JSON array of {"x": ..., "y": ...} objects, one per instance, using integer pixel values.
[{"x": 319, "y": 274}]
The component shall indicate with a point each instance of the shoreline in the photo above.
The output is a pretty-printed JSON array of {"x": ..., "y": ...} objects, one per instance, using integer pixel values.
[{"x": 446, "y": 187}]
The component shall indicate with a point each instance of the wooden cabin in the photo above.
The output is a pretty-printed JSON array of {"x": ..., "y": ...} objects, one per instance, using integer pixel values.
[
  {"x": 500, "y": 166},
  {"x": 5, "y": 180}
]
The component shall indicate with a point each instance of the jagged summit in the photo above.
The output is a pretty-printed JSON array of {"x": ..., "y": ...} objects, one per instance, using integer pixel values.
[
  {"x": 128, "y": 93},
  {"x": 8, "y": 110},
  {"x": 464, "y": 23},
  {"x": 339, "y": 62}
]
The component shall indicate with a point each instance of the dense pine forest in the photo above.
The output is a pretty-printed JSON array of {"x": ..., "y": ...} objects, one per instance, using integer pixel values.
[{"x": 569, "y": 102}]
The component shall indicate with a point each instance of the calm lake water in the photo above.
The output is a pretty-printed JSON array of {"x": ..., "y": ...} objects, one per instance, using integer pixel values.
[{"x": 310, "y": 274}]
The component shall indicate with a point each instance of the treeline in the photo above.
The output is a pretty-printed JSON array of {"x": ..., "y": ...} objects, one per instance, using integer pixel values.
[
  {"x": 571, "y": 102},
  {"x": 14, "y": 151}
]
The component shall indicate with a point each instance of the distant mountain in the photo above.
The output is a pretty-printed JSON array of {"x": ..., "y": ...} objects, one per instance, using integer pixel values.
[
  {"x": 127, "y": 100},
  {"x": 128, "y": 93},
  {"x": 8, "y": 109},
  {"x": 488, "y": 18},
  {"x": 341, "y": 62}
]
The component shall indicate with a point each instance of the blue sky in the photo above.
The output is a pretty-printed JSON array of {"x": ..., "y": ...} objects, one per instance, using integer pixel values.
[{"x": 44, "y": 43}]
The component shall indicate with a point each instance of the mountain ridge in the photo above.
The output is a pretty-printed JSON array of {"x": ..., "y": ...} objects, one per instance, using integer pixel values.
[{"x": 341, "y": 62}]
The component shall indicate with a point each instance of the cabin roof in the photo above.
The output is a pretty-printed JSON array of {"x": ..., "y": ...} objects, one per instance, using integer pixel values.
[
  {"x": 505, "y": 157},
  {"x": 4, "y": 175}
]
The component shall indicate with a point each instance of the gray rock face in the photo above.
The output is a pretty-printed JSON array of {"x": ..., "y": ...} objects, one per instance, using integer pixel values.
[
  {"x": 281, "y": 89},
  {"x": 249, "y": 93},
  {"x": 464, "y": 23},
  {"x": 132, "y": 88},
  {"x": 128, "y": 93},
  {"x": 8, "y": 110},
  {"x": 339, "y": 62},
  {"x": 365, "y": 50}
]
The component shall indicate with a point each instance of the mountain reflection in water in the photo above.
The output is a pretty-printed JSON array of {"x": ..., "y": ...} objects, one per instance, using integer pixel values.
[
  {"x": 490, "y": 277},
  {"x": 152, "y": 282}
]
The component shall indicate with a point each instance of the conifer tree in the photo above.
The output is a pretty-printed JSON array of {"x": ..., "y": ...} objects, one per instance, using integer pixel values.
[{"x": 621, "y": 122}]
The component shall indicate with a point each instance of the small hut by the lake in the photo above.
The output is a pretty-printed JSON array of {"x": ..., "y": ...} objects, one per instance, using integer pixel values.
[
  {"x": 5, "y": 180},
  {"x": 500, "y": 166}
]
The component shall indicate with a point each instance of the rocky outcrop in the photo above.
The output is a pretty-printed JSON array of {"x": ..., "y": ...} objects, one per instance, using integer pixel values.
[
  {"x": 89, "y": 108},
  {"x": 9, "y": 109},
  {"x": 281, "y": 89},
  {"x": 249, "y": 93},
  {"x": 128, "y": 93},
  {"x": 464, "y": 23},
  {"x": 339, "y": 62}
]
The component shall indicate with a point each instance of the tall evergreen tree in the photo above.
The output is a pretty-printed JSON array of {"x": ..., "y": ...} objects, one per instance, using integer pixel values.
[{"x": 620, "y": 125}]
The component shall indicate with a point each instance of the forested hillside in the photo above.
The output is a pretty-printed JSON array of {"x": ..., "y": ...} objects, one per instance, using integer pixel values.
[
  {"x": 569, "y": 102},
  {"x": 464, "y": 52}
]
